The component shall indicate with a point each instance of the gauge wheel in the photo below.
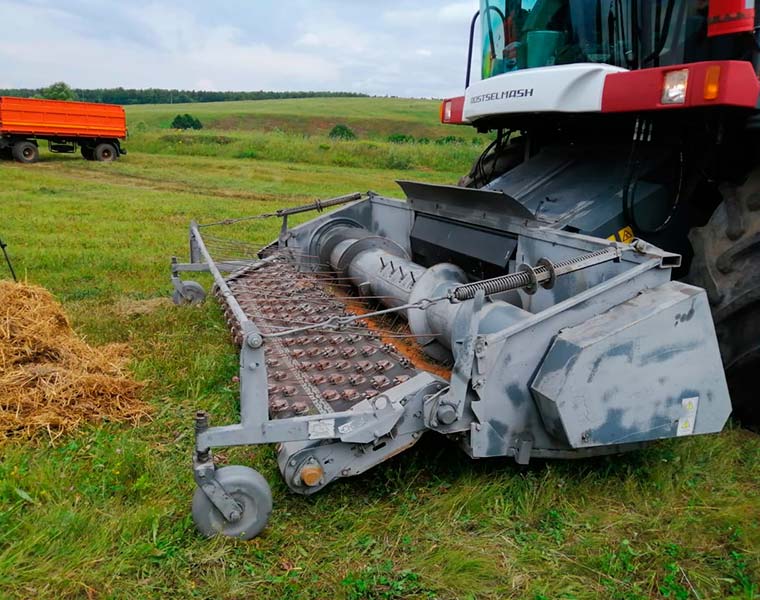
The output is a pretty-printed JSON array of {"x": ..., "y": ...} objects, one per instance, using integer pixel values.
[
  {"x": 249, "y": 488},
  {"x": 192, "y": 294}
]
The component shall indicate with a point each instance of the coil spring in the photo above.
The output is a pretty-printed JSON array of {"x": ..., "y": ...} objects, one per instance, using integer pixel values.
[{"x": 522, "y": 279}]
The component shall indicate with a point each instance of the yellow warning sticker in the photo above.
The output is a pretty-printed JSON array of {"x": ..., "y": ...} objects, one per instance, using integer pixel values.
[{"x": 624, "y": 235}]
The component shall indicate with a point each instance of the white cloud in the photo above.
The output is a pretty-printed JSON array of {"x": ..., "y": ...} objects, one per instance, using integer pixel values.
[
  {"x": 333, "y": 35},
  {"x": 237, "y": 45},
  {"x": 459, "y": 12}
]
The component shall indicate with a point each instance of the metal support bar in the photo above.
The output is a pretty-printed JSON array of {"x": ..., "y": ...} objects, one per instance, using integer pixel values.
[
  {"x": 224, "y": 289},
  {"x": 319, "y": 205},
  {"x": 367, "y": 421},
  {"x": 226, "y": 266},
  {"x": 3, "y": 247}
]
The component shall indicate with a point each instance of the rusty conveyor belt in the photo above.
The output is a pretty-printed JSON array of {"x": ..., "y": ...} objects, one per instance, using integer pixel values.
[{"x": 314, "y": 371}]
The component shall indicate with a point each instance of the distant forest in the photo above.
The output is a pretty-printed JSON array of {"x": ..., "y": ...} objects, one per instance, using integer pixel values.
[{"x": 160, "y": 96}]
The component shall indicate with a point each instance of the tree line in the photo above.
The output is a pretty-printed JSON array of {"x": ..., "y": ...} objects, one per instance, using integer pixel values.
[{"x": 61, "y": 91}]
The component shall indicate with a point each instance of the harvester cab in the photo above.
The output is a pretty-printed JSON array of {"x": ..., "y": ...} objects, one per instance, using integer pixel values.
[
  {"x": 518, "y": 35},
  {"x": 533, "y": 311}
]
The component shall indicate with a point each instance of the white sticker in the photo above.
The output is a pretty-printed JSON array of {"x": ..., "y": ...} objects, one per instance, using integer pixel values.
[
  {"x": 347, "y": 427},
  {"x": 689, "y": 418},
  {"x": 323, "y": 429}
]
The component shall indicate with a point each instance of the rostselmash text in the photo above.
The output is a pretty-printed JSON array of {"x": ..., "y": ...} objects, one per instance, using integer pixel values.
[{"x": 523, "y": 93}]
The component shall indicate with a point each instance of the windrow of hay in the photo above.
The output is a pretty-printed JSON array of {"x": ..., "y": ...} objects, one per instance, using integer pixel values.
[{"x": 52, "y": 380}]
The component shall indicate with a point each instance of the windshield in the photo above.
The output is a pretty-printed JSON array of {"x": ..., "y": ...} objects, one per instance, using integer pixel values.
[{"x": 522, "y": 34}]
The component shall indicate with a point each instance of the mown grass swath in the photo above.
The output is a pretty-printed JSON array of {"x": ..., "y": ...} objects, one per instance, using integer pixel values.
[{"x": 105, "y": 511}]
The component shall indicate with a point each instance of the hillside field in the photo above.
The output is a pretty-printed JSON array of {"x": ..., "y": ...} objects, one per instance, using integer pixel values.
[{"x": 105, "y": 512}]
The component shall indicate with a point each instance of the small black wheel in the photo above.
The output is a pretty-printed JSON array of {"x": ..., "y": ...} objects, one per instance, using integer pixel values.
[
  {"x": 87, "y": 152},
  {"x": 26, "y": 152},
  {"x": 192, "y": 294},
  {"x": 105, "y": 153},
  {"x": 249, "y": 488}
]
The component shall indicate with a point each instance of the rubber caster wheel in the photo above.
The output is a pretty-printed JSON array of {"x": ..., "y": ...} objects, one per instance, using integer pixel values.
[
  {"x": 249, "y": 488},
  {"x": 192, "y": 293}
]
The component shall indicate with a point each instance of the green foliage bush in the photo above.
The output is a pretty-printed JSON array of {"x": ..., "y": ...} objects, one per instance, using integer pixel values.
[
  {"x": 401, "y": 138},
  {"x": 186, "y": 121},
  {"x": 342, "y": 132},
  {"x": 449, "y": 139},
  {"x": 58, "y": 91},
  {"x": 398, "y": 161}
]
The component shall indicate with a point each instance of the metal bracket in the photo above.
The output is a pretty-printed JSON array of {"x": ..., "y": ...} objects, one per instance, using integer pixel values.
[
  {"x": 284, "y": 236},
  {"x": 448, "y": 408},
  {"x": 204, "y": 472}
]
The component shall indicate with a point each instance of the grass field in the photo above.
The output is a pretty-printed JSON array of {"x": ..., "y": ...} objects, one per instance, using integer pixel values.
[{"x": 104, "y": 512}]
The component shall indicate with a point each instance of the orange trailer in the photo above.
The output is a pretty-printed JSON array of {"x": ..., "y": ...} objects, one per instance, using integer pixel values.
[{"x": 95, "y": 128}]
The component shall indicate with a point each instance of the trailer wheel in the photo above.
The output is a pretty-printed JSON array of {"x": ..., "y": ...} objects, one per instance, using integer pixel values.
[
  {"x": 249, "y": 488},
  {"x": 105, "y": 153},
  {"x": 26, "y": 152},
  {"x": 87, "y": 152},
  {"x": 727, "y": 264}
]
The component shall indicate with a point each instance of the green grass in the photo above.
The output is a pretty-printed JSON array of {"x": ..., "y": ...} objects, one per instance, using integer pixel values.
[
  {"x": 104, "y": 513},
  {"x": 414, "y": 113},
  {"x": 297, "y": 131}
]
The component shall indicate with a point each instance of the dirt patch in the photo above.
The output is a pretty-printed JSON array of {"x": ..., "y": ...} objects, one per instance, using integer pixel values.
[
  {"x": 126, "y": 307},
  {"x": 50, "y": 379},
  {"x": 138, "y": 181}
]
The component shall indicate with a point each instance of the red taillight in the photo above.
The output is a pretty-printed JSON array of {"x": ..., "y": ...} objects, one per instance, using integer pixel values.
[
  {"x": 451, "y": 110},
  {"x": 446, "y": 111}
]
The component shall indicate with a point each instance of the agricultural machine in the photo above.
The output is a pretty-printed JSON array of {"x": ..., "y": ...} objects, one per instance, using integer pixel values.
[{"x": 588, "y": 288}]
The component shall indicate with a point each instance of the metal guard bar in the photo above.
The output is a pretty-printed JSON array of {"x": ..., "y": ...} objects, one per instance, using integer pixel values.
[{"x": 246, "y": 325}]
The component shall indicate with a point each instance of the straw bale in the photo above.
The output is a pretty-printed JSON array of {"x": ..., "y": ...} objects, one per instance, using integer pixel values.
[{"x": 50, "y": 379}]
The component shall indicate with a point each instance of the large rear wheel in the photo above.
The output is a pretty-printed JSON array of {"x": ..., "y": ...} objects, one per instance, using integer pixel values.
[{"x": 727, "y": 264}]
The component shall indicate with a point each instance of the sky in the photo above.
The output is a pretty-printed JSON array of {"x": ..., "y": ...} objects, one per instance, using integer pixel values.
[{"x": 381, "y": 47}]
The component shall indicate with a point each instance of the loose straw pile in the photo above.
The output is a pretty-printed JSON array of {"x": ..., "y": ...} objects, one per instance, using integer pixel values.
[{"x": 50, "y": 379}]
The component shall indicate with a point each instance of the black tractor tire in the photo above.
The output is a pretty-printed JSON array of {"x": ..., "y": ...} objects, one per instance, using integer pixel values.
[
  {"x": 105, "y": 153},
  {"x": 26, "y": 152},
  {"x": 87, "y": 152},
  {"x": 727, "y": 264}
]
